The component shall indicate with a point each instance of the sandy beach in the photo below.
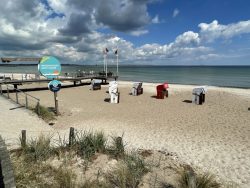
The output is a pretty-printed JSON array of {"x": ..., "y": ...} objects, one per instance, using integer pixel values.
[{"x": 214, "y": 137}]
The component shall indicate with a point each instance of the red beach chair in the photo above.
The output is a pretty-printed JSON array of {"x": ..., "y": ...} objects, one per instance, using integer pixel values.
[{"x": 162, "y": 90}]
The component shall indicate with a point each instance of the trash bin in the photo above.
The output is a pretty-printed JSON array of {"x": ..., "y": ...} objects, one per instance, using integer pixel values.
[
  {"x": 113, "y": 92},
  {"x": 162, "y": 90},
  {"x": 199, "y": 95},
  {"x": 95, "y": 84},
  {"x": 137, "y": 88}
]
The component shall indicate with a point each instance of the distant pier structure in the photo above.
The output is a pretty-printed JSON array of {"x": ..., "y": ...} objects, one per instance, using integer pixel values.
[{"x": 74, "y": 78}]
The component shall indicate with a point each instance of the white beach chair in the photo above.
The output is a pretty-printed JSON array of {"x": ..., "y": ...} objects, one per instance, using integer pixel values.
[
  {"x": 137, "y": 88},
  {"x": 199, "y": 95},
  {"x": 95, "y": 84},
  {"x": 113, "y": 92}
]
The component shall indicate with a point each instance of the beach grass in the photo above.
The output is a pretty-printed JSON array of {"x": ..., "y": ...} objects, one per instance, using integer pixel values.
[
  {"x": 41, "y": 164},
  {"x": 43, "y": 112},
  {"x": 189, "y": 179}
]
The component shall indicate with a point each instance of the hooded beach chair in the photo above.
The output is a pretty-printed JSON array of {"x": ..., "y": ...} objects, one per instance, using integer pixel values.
[
  {"x": 137, "y": 88},
  {"x": 95, "y": 84},
  {"x": 199, "y": 95},
  {"x": 113, "y": 92}
]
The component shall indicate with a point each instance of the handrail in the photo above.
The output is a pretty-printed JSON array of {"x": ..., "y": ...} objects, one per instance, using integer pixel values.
[{"x": 23, "y": 93}]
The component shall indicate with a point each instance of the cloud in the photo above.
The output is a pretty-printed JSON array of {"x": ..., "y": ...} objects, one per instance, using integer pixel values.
[
  {"x": 123, "y": 15},
  {"x": 156, "y": 20},
  {"x": 138, "y": 32},
  {"x": 78, "y": 24},
  {"x": 76, "y": 37},
  {"x": 175, "y": 13},
  {"x": 214, "y": 30}
]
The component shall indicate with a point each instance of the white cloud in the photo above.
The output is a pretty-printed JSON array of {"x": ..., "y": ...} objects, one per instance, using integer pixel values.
[
  {"x": 156, "y": 20},
  {"x": 138, "y": 32},
  {"x": 175, "y": 13},
  {"x": 214, "y": 30}
]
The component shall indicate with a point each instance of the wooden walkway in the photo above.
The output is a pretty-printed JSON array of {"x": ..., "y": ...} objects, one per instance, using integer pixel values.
[{"x": 70, "y": 79}]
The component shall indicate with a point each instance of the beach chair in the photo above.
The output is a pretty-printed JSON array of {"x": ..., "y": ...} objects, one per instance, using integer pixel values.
[
  {"x": 137, "y": 88},
  {"x": 162, "y": 91},
  {"x": 199, "y": 95},
  {"x": 113, "y": 92},
  {"x": 95, "y": 84}
]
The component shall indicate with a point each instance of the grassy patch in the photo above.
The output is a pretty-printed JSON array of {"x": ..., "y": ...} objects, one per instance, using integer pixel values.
[
  {"x": 88, "y": 143},
  {"x": 38, "y": 149},
  {"x": 189, "y": 179},
  {"x": 45, "y": 113},
  {"x": 128, "y": 173}
]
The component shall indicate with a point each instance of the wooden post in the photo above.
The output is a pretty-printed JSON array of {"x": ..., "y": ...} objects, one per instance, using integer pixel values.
[
  {"x": 1, "y": 89},
  {"x": 56, "y": 103},
  {"x": 71, "y": 136},
  {"x": 17, "y": 97},
  {"x": 26, "y": 101},
  {"x": 119, "y": 144},
  {"x": 23, "y": 138},
  {"x": 38, "y": 107}
]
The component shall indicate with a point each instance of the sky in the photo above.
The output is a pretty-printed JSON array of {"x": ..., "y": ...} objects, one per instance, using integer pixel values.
[{"x": 145, "y": 32}]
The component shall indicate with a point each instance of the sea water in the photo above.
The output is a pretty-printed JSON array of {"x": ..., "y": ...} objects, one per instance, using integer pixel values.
[{"x": 228, "y": 76}]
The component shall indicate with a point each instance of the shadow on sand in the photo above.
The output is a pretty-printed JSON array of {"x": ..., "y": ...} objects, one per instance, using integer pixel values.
[
  {"x": 187, "y": 101},
  {"x": 107, "y": 100}
]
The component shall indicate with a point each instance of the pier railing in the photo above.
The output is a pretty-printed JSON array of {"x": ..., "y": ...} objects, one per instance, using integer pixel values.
[{"x": 19, "y": 97}]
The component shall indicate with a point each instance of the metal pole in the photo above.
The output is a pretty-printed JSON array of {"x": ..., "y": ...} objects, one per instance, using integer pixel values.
[
  {"x": 117, "y": 65},
  {"x": 106, "y": 66},
  {"x": 56, "y": 103},
  {"x": 103, "y": 62}
]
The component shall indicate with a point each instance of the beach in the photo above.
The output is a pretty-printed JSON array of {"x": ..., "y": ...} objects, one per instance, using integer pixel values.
[{"x": 213, "y": 137}]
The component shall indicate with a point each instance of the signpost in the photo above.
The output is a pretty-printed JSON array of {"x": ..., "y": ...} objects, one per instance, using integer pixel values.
[{"x": 50, "y": 67}]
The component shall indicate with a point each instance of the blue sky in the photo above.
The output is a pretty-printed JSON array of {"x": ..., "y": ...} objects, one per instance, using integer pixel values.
[{"x": 158, "y": 32}]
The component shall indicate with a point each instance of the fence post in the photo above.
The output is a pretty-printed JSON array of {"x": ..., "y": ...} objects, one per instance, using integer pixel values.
[
  {"x": 1, "y": 90},
  {"x": 71, "y": 136},
  {"x": 8, "y": 93},
  {"x": 23, "y": 138},
  {"x": 38, "y": 107},
  {"x": 17, "y": 97},
  {"x": 26, "y": 101}
]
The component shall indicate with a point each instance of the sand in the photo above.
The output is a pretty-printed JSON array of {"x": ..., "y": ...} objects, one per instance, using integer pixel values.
[{"x": 214, "y": 137}]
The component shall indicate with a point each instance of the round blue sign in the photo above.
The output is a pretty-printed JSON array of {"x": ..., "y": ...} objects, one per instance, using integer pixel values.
[
  {"x": 54, "y": 85},
  {"x": 49, "y": 67}
]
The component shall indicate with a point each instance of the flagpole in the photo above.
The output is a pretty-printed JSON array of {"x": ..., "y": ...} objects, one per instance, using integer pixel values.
[
  {"x": 117, "y": 64},
  {"x": 106, "y": 65},
  {"x": 103, "y": 62}
]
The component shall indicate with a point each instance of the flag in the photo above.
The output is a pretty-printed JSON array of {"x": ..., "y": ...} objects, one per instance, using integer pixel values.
[
  {"x": 105, "y": 51},
  {"x": 116, "y": 52}
]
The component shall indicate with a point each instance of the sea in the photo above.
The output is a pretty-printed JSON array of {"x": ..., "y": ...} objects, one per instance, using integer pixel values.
[{"x": 223, "y": 76}]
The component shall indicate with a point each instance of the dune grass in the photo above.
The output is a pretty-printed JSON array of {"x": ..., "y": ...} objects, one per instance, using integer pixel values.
[{"x": 33, "y": 168}]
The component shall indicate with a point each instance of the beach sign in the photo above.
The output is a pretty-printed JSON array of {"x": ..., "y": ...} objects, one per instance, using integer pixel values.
[
  {"x": 49, "y": 67},
  {"x": 54, "y": 85}
]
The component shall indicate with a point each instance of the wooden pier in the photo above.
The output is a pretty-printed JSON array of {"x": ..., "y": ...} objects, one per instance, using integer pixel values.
[{"x": 75, "y": 80}]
